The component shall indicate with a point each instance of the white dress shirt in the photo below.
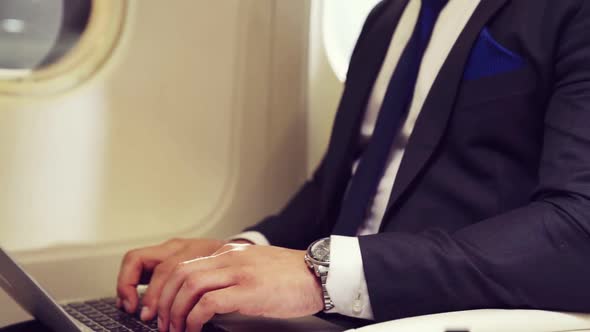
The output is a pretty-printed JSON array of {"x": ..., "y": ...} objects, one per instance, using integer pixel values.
[{"x": 346, "y": 282}]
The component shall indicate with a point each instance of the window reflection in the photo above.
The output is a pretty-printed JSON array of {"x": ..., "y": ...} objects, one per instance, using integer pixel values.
[
  {"x": 342, "y": 23},
  {"x": 37, "y": 33}
]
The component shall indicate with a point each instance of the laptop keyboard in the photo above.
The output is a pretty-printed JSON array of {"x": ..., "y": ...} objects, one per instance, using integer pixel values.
[{"x": 104, "y": 316}]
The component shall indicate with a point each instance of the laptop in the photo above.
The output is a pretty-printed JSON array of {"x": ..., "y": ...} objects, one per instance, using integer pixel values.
[{"x": 102, "y": 314}]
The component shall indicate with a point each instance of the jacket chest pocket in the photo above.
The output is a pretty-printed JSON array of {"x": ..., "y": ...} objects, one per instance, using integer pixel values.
[{"x": 493, "y": 73}]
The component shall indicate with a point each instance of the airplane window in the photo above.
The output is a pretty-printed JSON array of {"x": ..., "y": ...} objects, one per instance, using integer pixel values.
[
  {"x": 342, "y": 23},
  {"x": 52, "y": 135},
  {"x": 52, "y": 46},
  {"x": 35, "y": 34}
]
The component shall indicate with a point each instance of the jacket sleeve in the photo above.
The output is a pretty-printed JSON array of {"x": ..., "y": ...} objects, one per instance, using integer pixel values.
[
  {"x": 534, "y": 257},
  {"x": 297, "y": 224}
]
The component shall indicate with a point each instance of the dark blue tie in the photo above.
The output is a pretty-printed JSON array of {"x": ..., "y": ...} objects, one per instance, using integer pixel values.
[{"x": 394, "y": 109}]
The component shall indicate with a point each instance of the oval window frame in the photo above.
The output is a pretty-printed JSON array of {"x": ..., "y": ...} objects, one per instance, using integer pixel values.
[{"x": 94, "y": 49}]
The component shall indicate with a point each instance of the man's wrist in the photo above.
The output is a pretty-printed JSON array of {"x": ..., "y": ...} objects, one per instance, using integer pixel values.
[{"x": 317, "y": 293}]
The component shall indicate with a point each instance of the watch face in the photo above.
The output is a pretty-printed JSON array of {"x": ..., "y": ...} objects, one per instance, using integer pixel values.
[{"x": 320, "y": 251}]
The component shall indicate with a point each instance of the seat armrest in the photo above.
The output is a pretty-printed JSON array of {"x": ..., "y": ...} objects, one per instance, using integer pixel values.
[{"x": 489, "y": 320}]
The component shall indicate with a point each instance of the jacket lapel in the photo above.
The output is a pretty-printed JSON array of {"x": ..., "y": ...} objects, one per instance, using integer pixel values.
[{"x": 433, "y": 119}]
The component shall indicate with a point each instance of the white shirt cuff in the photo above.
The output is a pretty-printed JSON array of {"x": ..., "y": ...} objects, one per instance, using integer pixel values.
[
  {"x": 346, "y": 282},
  {"x": 255, "y": 237}
]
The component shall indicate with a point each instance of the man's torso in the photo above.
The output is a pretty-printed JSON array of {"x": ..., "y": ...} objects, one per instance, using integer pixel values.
[{"x": 476, "y": 146}]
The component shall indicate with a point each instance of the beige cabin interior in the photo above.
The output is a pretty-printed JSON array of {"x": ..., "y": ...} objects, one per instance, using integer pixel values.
[
  {"x": 196, "y": 124},
  {"x": 179, "y": 118}
]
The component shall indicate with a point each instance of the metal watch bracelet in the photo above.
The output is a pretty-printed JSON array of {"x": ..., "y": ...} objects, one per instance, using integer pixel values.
[
  {"x": 317, "y": 259},
  {"x": 328, "y": 303}
]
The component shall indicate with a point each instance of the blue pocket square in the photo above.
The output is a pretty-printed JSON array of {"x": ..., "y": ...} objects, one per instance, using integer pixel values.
[{"x": 489, "y": 58}]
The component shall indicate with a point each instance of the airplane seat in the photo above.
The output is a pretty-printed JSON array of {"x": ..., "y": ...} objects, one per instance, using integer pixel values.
[{"x": 488, "y": 320}]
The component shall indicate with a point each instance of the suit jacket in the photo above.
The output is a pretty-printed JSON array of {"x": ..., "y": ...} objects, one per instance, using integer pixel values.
[{"x": 491, "y": 204}]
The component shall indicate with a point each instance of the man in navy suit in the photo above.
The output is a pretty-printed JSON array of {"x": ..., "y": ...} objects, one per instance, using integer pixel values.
[{"x": 457, "y": 177}]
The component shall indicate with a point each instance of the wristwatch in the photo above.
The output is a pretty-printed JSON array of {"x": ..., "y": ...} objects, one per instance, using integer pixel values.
[{"x": 317, "y": 259}]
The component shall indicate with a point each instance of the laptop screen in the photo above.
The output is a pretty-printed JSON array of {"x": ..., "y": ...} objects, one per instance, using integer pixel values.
[{"x": 31, "y": 296}]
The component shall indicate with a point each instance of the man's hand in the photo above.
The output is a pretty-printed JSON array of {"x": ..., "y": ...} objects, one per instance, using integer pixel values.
[
  {"x": 252, "y": 280},
  {"x": 159, "y": 262}
]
